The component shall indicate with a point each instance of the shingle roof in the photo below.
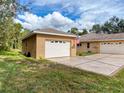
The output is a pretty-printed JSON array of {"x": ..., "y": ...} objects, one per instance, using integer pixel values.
[
  {"x": 49, "y": 31},
  {"x": 54, "y": 31},
  {"x": 101, "y": 37}
]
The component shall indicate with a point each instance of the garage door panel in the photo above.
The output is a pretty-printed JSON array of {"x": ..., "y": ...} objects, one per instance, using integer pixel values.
[
  {"x": 57, "y": 49},
  {"x": 112, "y": 47}
]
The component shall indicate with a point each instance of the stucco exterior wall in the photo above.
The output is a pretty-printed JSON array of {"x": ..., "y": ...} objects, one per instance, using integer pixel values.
[
  {"x": 94, "y": 47},
  {"x": 36, "y": 44},
  {"x": 40, "y": 44},
  {"x": 29, "y": 45}
]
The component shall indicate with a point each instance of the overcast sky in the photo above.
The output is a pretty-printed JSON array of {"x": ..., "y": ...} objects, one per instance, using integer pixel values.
[{"x": 65, "y": 14}]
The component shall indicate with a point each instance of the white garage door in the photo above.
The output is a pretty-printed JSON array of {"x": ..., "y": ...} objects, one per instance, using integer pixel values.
[
  {"x": 112, "y": 47},
  {"x": 57, "y": 49}
]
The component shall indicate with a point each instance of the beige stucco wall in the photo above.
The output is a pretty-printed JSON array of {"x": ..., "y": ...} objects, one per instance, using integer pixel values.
[
  {"x": 36, "y": 44},
  {"x": 40, "y": 44},
  {"x": 29, "y": 45},
  {"x": 94, "y": 47}
]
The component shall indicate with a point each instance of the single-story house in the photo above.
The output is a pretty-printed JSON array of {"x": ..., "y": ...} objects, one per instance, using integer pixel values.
[
  {"x": 48, "y": 43},
  {"x": 102, "y": 43}
]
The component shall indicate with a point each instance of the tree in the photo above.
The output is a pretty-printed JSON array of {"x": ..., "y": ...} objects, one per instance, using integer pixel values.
[
  {"x": 77, "y": 32},
  {"x": 7, "y": 9},
  {"x": 10, "y": 35},
  {"x": 9, "y": 31},
  {"x": 84, "y": 31},
  {"x": 106, "y": 28},
  {"x": 16, "y": 40},
  {"x": 113, "y": 25},
  {"x": 73, "y": 31},
  {"x": 6, "y": 29},
  {"x": 121, "y": 25},
  {"x": 24, "y": 33},
  {"x": 96, "y": 28},
  {"x": 7, "y": 12}
]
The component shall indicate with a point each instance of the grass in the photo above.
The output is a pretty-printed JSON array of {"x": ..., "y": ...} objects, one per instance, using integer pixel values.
[
  {"x": 19, "y": 74},
  {"x": 85, "y": 53}
]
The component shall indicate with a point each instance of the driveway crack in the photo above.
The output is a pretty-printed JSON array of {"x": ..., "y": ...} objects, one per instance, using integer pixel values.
[{"x": 91, "y": 60}]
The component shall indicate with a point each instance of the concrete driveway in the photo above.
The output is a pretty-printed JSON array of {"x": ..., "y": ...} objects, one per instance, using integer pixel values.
[{"x": 105, "y": 64}]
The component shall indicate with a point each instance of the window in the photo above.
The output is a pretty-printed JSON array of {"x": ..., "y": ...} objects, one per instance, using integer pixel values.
[
  {"x": 79, "y": 45},
  {"x": 120, "y": 42},
  {"x": 63, "y": 41},
  {"x": 56, "y": 41},
  {"x": 52, "y": 41},
  {"x": 60, "y": 41},
  {"x": 88, "y": 45}
]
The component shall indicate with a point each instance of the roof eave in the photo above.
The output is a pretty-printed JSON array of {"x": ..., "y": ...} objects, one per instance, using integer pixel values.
[
  {"x": 45, "y": 33},
  {"x": 103, "y": 40},
  {"x": 37, "y": 32}
]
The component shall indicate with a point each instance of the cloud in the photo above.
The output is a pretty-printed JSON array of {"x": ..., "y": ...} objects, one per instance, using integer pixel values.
[
  {"x": 54, "y": 20},
  {"x": 64, "y": 14}
]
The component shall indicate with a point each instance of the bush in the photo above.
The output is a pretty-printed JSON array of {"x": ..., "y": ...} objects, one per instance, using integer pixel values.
[
  {"x": 80, "y": 54},
  {"x": 84, "y": 53}
]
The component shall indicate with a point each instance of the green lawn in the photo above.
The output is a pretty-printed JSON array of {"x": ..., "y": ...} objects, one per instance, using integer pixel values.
[{"x": 19, "y": 74}]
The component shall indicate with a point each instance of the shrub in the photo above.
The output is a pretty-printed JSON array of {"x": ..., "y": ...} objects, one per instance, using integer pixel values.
[{"x": 84, "y": 53}]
